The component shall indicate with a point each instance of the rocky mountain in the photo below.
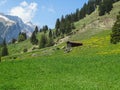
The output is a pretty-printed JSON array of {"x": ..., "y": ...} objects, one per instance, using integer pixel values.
[{"x": 11, "y": 26}]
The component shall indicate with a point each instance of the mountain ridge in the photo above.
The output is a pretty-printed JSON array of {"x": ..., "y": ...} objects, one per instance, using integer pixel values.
[{"x": 11, "y": 26}]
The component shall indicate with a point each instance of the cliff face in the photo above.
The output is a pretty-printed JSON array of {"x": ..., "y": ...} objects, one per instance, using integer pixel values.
[{"x": 11, "y": 26}]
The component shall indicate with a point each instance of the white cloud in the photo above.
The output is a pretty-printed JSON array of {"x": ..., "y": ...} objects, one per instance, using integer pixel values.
[
  {"x": 48, "y": 9},
  {"x": 25, "y": 11},
  {"x": 2, "y": 2},
  {"x": 24, "y": 3}
]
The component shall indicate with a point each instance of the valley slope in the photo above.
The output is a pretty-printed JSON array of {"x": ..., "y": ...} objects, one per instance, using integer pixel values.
[{"x": 94, "y": 66}]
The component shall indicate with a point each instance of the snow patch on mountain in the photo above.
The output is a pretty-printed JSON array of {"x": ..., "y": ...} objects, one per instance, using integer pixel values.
[{"x": 11, "y": 26}]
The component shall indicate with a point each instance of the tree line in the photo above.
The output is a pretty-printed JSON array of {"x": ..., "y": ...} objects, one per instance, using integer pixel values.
[
  {"x": 106, "y": 6},
  {"x": 65, "y": 24},
  {"x": 46, "y": 38}
]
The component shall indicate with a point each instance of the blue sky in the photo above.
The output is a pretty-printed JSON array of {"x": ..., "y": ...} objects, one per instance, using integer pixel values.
[{"x": 40, "y": 12}]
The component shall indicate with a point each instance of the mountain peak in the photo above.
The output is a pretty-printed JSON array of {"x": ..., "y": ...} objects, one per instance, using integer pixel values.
[{"x": 11, "y": 26}]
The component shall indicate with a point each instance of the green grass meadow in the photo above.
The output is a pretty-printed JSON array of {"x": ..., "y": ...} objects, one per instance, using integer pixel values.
[
  {"x": 70, "y": 73},
  {"x": 94, "y": 66}
]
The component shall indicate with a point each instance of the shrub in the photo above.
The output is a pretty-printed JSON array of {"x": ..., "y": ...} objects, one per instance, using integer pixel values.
[{"x": 25, "y": 50}]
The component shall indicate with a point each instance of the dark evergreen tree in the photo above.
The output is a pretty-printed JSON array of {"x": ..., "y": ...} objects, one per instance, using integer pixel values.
[
  {"x": 4, "y": 43},
  {"x": 25, "y": 36},
  {"x": 90, "y": 7},
  {"x": 68, "y": 27},
  {"x": 13, "y": 40},
  {"x": 115, "y": 36},
  {"x": 109, "y": 5},
  {"x": 72, "y": 26},
  {"x": 116, "y": 0},
  {"x": 36, "y": 29},
  {"x": 57, "y": 27},
  {"x": 97, "y": 2},
  {"x": 105, "y": 7},
  {"x": 69, "y": 18},
  {"x": 33, "y": 39},
  {"x": 41, "y": 29},
  {"x": 73, "y": 17},
  {"x": 82, "y": 12},
  {"x": 101, "y": 9},
  {"x": 22, "y": 37},
  {"x": 43, "y": 41},
  {"x": 4, "y": 49},
  {"x": 62, "y": 25},
  {"x": 50, "y": 42},
  {"x": 45, "y": 28},
  {"x": 76, "y": 15},
  {"x": 50, "y": 33},
  {"x": 54, "y": 35}
]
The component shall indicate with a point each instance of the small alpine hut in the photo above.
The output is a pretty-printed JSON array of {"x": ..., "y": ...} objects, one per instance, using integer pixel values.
[{"x": 71, "y": 44}]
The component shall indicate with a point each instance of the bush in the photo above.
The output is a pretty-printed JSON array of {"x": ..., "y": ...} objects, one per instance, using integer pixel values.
[
  {"x": 13, "y": 41},
  {"x": 25, "y": 50},
  {"x": 4, "y": 51},
  {"x": 22, "y": 37}
]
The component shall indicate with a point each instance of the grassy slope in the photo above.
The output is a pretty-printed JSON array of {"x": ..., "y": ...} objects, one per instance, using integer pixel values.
[
  {"x": 90, "y": 29},
  {"x": 93, "y": 23},
  {"x": 94, "y": 66}
]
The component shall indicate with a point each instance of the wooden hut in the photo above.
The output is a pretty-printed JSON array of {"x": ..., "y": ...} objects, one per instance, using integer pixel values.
[{"x": 71, "y": 44}]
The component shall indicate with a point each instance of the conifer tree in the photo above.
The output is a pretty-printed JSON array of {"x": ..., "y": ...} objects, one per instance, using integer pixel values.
[
  {"x": 68, "y": 27},
  {"x": 97, "y": 2},
  {"x": 22, "y": 37},
  {"x": 109, "y": 5},
  {"x": 101, "y": 9},
  {"x": 41, "y": 29},
  {"x": 115, "y": 36},
  {"x": 33, "y": 39},
  {"x": 13, "y": 41},
  {"x": 50, "y": 33},
  {"x": 43, "y": 41},
  {"x": 36, "y": 29},
  {"x": 54, "y": 35},
  {"x": 76, "y": 15},
  {"x": 45, "y": 28},
  {"x": 62, "y": 25},
  {"x": 57, "y": 27},
  {"x": 90, "y": 7},
  {"x": 4, "y": 49},
  {"x": 72, "y": 26},
  {"x": 50, "y": 42},
  {"x": 50, "y": 39},
  {"x": 105, "y": 7}
]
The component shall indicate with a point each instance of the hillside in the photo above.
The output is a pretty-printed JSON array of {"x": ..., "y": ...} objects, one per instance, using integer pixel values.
[
  {"x": 93, "y": 66},
  {"x": 85, "y": 28},
  {"x": 94, "y": 23}
]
